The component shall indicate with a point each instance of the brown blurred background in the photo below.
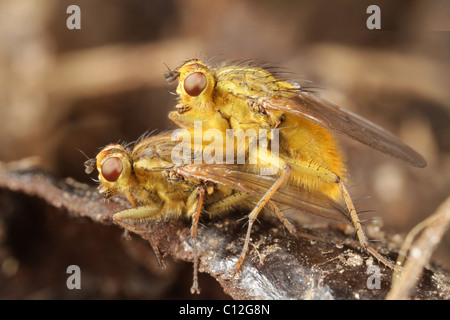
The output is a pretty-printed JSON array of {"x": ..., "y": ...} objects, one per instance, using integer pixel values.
[{"x": 63, "y": 90}]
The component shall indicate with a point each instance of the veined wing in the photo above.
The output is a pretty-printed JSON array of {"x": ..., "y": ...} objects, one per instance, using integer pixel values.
[
  {"x": 330, "y": 116},
  {"x": 238, "y": 178}
]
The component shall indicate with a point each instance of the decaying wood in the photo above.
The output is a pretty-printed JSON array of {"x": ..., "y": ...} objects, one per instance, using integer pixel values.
[{"x": 279, "y": 265}]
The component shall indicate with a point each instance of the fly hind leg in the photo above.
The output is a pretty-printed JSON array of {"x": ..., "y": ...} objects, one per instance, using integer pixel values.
[
  {"x": 358, "y": 228},
  {"x": 254, "y": 214},
  {"x": 325, "y": 175}
]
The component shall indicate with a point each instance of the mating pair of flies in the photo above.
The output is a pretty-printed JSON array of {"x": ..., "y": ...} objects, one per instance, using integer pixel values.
[{"x": 310, "y": 172}]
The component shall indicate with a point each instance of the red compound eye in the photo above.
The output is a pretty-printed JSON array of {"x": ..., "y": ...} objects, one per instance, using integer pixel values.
[
  {"x": 195, "y": 83},
  {"x": 111, "y": 169}
]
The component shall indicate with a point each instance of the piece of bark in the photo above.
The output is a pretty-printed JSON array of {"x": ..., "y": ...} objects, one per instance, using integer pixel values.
[{"x": 279, "y": 265}]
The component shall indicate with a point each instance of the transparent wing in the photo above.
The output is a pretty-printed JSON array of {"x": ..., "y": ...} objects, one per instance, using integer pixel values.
[
  {"x": 330, "y": 116},
  {"x": 238, "y": 178}
]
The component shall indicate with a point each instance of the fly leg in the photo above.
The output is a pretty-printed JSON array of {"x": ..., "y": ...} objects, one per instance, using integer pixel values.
[
  {"x": 328, "y": 176},
  {"x": 195, "y": 219},
  {"x": 358, "y": 228},
  {"x": 234, "y": 200},
  {"x": 282, "y": 218},
  {"x": 254, "y": 214},
  {"x": 288, "y": 225}
]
